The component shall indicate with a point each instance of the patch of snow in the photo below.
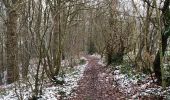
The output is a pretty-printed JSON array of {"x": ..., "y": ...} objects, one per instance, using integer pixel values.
[
  {"x": 49, "y": 92},
  {"x": 116, "y": 72},
  {"x": 130, "y": 86},
  {"x": 83, "y": 58},
  {"x": 70, "y": 79},
  {"x": 101, "y": 62},
  {"x": 96, "y": 55},
  {"x": 64, "y": 63}
]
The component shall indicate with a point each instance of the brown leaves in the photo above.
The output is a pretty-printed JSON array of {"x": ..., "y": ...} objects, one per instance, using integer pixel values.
[{"x": 96, "y": 84}]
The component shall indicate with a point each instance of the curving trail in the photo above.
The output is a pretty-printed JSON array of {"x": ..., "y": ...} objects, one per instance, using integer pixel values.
[{"x": 96, "y": 83}]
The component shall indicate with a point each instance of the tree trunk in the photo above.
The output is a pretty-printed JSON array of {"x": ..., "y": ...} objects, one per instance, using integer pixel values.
[
  {"x": 164, "y": 38},
  {"x": 11, "y": 47},
  {"x": 157, "y": 68}
]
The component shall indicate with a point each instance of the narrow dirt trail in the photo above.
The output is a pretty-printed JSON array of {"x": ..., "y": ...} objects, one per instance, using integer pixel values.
[{"x": 96, "y": 83}]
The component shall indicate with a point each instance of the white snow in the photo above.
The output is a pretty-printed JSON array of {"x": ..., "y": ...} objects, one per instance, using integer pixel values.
[
  {"x": 102, "y": 59},
  {"x": 83, "y": 58},
  {"x": 96, "y": 55},
  {"x": 126, "y": 85},
  {"x": 49, "y": 91},
  {"x": 101, "y": 62},
  {"x": 71, "y": 80}
]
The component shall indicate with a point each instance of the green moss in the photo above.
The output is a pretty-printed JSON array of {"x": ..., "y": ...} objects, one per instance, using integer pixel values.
[{"x": 82, "y": 61}]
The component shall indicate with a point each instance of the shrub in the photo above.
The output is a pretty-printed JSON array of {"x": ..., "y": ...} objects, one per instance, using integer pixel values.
[{"x": 82, "y": 61}]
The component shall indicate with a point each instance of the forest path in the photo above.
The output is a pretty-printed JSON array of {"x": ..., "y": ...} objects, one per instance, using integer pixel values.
[{"x": 96, "y": 83}]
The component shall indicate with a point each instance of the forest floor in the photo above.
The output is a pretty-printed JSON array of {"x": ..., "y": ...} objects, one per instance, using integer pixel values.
[
  {"x": 101, "y": 82},
  {"x": 96, "y": 83},
  {"x": 91, "y": 80}
]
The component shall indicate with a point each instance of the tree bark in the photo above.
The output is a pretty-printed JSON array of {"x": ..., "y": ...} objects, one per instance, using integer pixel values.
[
  {"x": 164, "y": 38},
  {"x": 11, "y": 47}
]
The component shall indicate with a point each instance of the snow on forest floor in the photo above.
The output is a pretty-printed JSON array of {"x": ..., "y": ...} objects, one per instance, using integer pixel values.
[
  {"x": 70, "y": 79},
  {"x": 101, "y": 59},
  {"x": 135, "y": 85},
  {"x": 139, "y": 86},
  {"x": 131, "y": 86},
  {"x": 50, "y": 91}
]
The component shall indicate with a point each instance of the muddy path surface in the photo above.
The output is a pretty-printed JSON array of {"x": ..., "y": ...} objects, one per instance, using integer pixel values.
[{"x": 96, "y": 83}]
